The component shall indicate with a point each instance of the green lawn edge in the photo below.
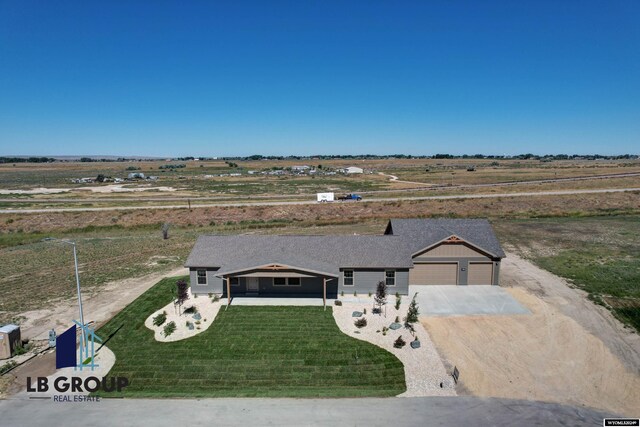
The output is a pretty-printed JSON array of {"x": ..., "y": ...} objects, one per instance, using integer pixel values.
[{"x": 247, "y": 352}]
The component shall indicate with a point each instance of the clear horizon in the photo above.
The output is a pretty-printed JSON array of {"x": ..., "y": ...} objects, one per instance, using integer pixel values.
[{"x": 237, "y": 79}]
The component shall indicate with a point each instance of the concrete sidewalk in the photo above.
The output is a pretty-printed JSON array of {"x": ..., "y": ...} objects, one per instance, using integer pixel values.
[
  {"x": 276, "y": 301},
  {"x": 451, "y": 300}
]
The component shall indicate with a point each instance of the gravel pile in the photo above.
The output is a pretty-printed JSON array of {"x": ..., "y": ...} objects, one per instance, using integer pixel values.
[{"x": 423, "y": 368}]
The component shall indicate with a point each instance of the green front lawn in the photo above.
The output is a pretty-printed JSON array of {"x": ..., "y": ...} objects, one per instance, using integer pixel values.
[{"x": 247, "y": 352}]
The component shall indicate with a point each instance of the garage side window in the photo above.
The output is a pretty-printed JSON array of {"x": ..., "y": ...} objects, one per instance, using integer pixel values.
[
  {"x": 390, "y": 277},
  {"x": 202, "y": 277},
  {"x": 348, "y": 277}
]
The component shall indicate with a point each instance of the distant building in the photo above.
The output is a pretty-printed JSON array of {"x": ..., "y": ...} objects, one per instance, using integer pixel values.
[
  {"x": 136, "y": 175},
  {"x": 353, "y": 169},
  {"x": 300, "y": 168}
]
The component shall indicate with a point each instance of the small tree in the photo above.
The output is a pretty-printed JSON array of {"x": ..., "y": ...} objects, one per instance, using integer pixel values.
[
  {"x": 381, "y": 296},
  {"x": 165, "y": 230},
  {"x": 182, "y": 293},
  {"x": 412, "y": 314}
]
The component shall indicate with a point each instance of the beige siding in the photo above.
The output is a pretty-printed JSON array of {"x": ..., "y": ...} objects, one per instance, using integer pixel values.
[
  {"x": 480, "y": 273},
  {"x": 450, "y": 250},
  {"x": 437, "y": 273}
]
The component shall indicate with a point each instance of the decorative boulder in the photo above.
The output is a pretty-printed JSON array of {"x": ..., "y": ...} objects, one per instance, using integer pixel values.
[
  {"x": 197, "y": 316},
  {"x": 395, "y": 326},
  {"x": 415, "y": 344},
  {"x": 190, "y": 326},
  {"x": 356, "y": 314}
]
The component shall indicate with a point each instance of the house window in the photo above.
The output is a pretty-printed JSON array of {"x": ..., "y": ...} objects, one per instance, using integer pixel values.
[
  {"x": 348, "y": 277},
  {"x": 202, "y": 277},
  {"x": 390, "y": 277},
  {"x": 286, "y": 281},
  {"x": 293, "y": 281},
  {"x": 234, "y": 281}
]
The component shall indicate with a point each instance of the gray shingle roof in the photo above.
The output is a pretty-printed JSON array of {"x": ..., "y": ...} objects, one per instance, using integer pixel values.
[
  {"x": 324, "y": 254},
  {"x": 422, "y": 233}
]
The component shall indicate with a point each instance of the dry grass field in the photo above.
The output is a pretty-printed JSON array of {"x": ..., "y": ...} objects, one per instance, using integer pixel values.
[{"x": 127, "y": 243}]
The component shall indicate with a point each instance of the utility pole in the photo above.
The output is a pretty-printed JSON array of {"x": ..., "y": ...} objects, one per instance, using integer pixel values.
[{"x": 75, "y": 261}]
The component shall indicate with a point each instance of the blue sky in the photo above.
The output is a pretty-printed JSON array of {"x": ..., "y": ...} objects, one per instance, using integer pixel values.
[{"x": 330, "y": 77}]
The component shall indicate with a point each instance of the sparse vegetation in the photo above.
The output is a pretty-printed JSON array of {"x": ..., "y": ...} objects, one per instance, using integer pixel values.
[
  {"x": 169, "y": 328},
  {"x": 160, "y": 318},
  {"x": 361, "y": 322},
  {"x": 600, "y": 255}
]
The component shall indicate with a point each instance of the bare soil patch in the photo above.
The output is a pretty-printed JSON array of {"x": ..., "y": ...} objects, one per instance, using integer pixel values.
[{"x": 568, "y": 350}]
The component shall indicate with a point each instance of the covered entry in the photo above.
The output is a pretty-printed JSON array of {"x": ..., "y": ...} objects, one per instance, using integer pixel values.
[{"x": 277, "y": 280}]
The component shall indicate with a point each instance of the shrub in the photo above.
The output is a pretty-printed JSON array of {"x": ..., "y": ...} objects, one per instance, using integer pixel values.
[
  {"x": 169, "y": 328},
  {"x": 398, "y": 301},
  {"x": 337, "y": 302},
  {"x": 8, "y": 366},
  {"x": 215, "y": 298},
  {"x": 364, "y": 311},
  {"x": 355, "y": 294},
  {"x": 361, "y": 322},
  {"x": 191, "y": 310},
  {"x": 399, "y": 343},
  {"x": 342, "y": 293},
  {"x": 397, "y": 319},
  {"x": 21, "y": 348},
  {"x": 160, "y": 318},
  {"x": 369, "y": 294}
]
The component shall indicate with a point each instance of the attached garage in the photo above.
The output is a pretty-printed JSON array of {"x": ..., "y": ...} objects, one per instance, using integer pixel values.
[
  {"x": 434, "y": 273},
  {"x": 480, "y": 273}
]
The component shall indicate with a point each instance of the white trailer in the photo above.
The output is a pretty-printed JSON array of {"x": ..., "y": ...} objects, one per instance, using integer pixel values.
[{"x": 325, "y": 197}]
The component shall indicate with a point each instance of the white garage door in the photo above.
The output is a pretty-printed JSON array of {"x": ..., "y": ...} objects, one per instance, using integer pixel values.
[
  {"x": 480, "y": 273},
  {"x": 436, "y": 273}
]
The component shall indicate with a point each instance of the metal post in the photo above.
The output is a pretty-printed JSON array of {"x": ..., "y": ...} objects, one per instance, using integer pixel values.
[
  {"x": 75, "y": 259},
  {"x": 324, "y": 293}
]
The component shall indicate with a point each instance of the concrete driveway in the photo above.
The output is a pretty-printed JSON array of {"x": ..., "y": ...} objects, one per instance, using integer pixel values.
[{"x": 450, "y": 300}]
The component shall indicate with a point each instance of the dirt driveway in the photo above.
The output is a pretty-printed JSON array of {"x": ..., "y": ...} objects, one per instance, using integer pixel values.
[
  {"x": 567, "y": 350},
  {"x": 98, "y": 307}
]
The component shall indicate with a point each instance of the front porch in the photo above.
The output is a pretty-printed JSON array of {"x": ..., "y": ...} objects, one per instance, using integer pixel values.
[{"x": 296, "y": 285}]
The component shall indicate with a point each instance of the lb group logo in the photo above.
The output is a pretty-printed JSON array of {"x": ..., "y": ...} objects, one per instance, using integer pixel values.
[{"x": 78, "y": 351}]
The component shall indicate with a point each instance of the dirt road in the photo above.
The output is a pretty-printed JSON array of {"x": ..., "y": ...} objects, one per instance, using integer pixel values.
[
  {"x": 568, "y": 350},
  {"x": 98, "y": 307},
  {"x": 313, "y": 202}
]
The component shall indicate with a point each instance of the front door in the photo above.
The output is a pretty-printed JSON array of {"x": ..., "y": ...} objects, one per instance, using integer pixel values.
[{"x": 253, "y": 284}]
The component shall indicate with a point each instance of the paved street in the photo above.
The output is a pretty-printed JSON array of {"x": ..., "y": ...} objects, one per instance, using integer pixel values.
[
  {"x": 313, "y": 202},
  {"x": 396, "y": 412}
]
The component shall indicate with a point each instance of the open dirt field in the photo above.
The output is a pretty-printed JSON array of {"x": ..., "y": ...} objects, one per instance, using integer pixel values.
[
  {"x": 568, "y": 350},
  {"x": 98, "y": 307}
]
